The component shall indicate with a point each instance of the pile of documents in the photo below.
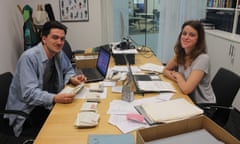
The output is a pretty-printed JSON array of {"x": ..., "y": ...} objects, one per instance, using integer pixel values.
[
  {"x": 155, "y": 86},
  {"x": 168, "y": 111},
  {"x": 88, "y": 116},
  {"x": 152, "y": 67}
]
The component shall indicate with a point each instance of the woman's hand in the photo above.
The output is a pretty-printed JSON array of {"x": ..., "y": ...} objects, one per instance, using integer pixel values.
[{"x": 176, "y": 75}]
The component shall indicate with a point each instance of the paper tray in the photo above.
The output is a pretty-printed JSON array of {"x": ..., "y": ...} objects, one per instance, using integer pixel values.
[{"x": 183, "y": 126}]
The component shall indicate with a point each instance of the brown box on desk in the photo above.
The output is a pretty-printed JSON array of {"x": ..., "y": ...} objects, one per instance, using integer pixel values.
[
  {"x": 87, "y": 59},
  {"x": 184, "y": 126}
]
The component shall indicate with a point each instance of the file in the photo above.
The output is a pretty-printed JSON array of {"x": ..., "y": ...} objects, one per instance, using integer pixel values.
[
  {"x": 93, "y": 97},
  {"x": 152, "y": 67},
  {"x": 86, "y": 119},
  {"x": 168, "y": 111},
  {"x": 76, "y": 89},
  {"x": 155, "y": 86},
  {"x": 96, "y": 87},
  {"x": 89, "y": 106}
]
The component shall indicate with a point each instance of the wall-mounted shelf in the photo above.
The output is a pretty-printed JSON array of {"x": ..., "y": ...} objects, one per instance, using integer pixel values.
[
  {"x": 224, "y": 14},
  {"x": 217, "y": 8}
]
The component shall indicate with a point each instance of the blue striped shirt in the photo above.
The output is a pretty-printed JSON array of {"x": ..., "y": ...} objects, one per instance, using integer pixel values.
[{"x": 26, "y": 90}]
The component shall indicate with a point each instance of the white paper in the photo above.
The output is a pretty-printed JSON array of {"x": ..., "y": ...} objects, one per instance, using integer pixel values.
[
  {"x": 173, "y": 110},
  {"x": 108, "y": 83},
  {"x": 155, "y": 86},
  {"x": 125, "y": 68},
  {"x": 83, "y": 93},
  {"x": 127, "y": 51},
  {"x": 121, "y": 107},
  {"x": 117, "y": 89},
  {"x": 165, "y": 96},
  {"x": 152, "y": 67},
  {"x": 87, "y": 57},
  {"x": 126, "y": 126}
]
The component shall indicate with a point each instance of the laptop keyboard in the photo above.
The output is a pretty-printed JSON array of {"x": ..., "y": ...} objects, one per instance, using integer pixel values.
[{"x": 91, "y": 73}]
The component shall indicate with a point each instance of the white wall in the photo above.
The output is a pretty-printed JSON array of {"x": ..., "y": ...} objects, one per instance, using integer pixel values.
[
  {"x": 81, "y": 35},
  {"x": 11, "y": 35}
]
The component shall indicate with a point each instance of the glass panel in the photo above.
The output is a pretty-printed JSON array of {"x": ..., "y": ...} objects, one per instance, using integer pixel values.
[
  {"x": 143, "y": 16},
  {"x": 143, "y": 21},
  {"x": 137, "y": 20}
]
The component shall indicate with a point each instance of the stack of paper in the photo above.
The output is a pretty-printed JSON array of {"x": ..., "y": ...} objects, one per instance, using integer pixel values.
[
  {"x": 152, "y": 67},
  {"x": 88, "y": 116},
  {"x": 169, "y": 111},
  {"x": 76, "y": 89},
  {"x": 155, "y": 86}
]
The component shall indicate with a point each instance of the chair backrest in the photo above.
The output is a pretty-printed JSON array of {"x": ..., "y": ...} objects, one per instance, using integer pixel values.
[
  {"x": 5, "y": 81},
  {"x": 225, "y": 85},
  {"x": 233, "y": 123},
  {"x": 68, "y": 50}
]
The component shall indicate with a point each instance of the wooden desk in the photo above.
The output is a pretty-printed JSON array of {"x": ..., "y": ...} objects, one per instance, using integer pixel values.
[{"x": 59, "y": 127}]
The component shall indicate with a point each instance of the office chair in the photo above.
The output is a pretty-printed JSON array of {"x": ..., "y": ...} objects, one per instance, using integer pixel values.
[
  {"x": 233, "y": 123},
  {"x": 68, "y": 50},
  {"x": 225, "y": 85},
  {"x": 70, "y": 53},
  {"x": 6, "y": 133}
]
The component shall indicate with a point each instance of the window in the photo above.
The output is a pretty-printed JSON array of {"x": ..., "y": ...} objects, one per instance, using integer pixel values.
[{"x": 143, "y": 16}]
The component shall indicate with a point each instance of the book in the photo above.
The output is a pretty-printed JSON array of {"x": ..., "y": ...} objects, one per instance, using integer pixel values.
[
  {"x": 88, "y": 116},
  {"x": 86, "y": 119},
  {"x": 89, "y": 106},
  {"x": 168, "y": 111},
  {"x": 96, "y": 87},
  {"x": 152, "y": 67},
  {"x": 76, "y": 89},
  {"x": 155, "y": 86},
  {"x": 93, "y": 97},
  {"x": 111, "y": 139}
]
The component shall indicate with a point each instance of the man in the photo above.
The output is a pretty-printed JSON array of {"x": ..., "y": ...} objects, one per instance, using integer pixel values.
[{"x": 41, "y": 74}]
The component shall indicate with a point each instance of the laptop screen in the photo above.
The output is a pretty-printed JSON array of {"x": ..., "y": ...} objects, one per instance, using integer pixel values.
[{"x": 103, "y": 61}]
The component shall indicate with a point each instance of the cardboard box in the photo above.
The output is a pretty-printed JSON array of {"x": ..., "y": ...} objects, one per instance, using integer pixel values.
[
  {"x": 86, "y": 60},
  {"x": 184, "y": 126}
]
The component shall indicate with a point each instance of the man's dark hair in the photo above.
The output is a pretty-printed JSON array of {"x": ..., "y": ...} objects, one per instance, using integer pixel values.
[{"x": 52, "y": 24}]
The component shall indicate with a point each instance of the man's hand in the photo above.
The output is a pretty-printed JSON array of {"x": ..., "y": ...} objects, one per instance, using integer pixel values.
[{"x": 76, "y": 80}]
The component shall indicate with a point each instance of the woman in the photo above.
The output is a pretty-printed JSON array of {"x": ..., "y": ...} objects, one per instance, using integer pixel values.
[{"x": 192, "y": 64}]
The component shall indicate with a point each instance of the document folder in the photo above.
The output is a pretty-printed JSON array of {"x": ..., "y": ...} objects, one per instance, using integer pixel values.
[{"x": 168, "y": 111}]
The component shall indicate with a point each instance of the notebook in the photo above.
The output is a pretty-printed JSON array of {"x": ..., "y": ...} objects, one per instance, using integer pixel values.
[
  {"x": 99, "y": 72},
  {"x": 149, "y": 83},
  {"x": 137, "y": 77},
  {"x": 146, "y": 77},
  {"x": 168, "y": 111}
]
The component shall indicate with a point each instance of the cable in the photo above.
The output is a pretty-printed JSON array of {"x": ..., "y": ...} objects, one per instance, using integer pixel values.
[{"x": 28, "y": 141}]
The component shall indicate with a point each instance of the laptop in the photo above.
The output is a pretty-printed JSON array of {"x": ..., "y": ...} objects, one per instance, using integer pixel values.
[
  {"x": 99, "y": 72},
  {"x": 148, "y": 83},
  {"x": 139, "y": 77}
]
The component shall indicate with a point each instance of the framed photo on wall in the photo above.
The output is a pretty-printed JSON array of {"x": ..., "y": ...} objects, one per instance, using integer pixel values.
[{"x": 74, "y": 10}]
